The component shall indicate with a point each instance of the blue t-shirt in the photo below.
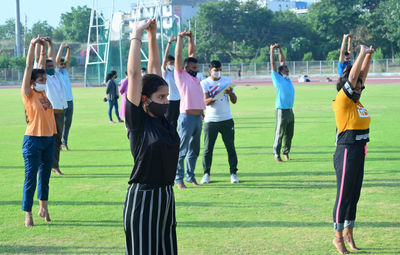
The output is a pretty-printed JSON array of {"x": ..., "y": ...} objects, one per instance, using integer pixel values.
[
  {"x": 341, "y": 67},
  {"x": 284, "y": 91}
]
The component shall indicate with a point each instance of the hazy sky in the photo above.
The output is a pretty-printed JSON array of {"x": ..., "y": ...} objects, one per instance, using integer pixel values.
[{"x": 50, "y": 10}]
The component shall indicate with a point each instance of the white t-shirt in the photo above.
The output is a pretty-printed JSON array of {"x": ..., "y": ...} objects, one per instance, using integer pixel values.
[
  {"x": 220, "y": 110},
  {"x": 200, "y": 76},
  {"x": 173, "y": 90},
  {"x": 55, "y": 91}
]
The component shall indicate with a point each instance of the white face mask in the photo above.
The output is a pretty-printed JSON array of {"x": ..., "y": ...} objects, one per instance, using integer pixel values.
[
  {"x": 286, "y": 76},
  {"x": 40, "y": 87},
  {"x": 170, "y": 67},
  {"x": 216, "y": 74},
  {"x": 143, "y": 74}
]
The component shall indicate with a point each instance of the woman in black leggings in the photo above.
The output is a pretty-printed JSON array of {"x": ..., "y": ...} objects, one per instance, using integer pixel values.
[
  {"x": 352, "y": 122},
  {"x": 149, "y": 211}
]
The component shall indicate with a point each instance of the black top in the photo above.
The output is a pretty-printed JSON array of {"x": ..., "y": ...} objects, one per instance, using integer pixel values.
[{"x": 154, "y": 146}]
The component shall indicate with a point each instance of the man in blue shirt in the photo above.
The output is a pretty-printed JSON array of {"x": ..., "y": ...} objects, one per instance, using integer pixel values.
[
  {"x": 284, "y": 104},
  {"x": 345, "y": 56}
]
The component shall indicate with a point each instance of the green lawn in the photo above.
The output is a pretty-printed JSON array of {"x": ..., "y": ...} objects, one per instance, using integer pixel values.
[{"x": 275, "y": 209}]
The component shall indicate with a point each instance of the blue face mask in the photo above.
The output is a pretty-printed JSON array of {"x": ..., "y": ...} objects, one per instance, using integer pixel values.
[{"x": 50, "y": 71}]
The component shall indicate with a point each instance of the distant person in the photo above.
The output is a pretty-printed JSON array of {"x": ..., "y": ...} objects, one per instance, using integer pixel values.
[
  {"x": 345, "y": 56},
  {"x": 352, "y": 123},
  {"x": 143, "y": 71},
  {"x": 149, "y": 209},
  {"x": 112, "y": 95},
  {"x": 191, "y": 110},
  {"x": 284, "y": 105},
  {"x": 168, "y": 74},
  {"x": 218, "y": 119},
  {"x": 122, "y": 90},
  {"x": 56, "y": 93},
  {"x": 39, "y": 140},
  {"x": 63, "y": 64},
  {"x": 239, "y": 73}
]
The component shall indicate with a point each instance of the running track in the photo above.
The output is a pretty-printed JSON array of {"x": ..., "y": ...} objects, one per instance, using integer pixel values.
[{"x": 268, "y": 81}]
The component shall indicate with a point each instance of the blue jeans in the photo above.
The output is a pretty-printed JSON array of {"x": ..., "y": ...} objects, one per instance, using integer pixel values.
[
  {"x": 189, "y": 130},
  {"x": 111, "y": 104},
  {"x": 38, "y": 152}
]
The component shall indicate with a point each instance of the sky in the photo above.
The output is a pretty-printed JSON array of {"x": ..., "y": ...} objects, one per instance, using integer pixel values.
[{"x": 51, "y": 10}]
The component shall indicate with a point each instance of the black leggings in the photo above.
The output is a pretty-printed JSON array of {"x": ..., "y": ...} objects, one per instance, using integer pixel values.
[{"x": 349, "y": 165}]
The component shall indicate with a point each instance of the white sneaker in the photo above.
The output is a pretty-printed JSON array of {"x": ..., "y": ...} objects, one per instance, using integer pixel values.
[
  {"x": 206, "y": 179},
  {"x": 234, "y": 178}
]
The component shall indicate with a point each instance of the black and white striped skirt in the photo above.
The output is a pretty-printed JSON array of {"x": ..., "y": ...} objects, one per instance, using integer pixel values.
[{"x": 149, "y": 220}]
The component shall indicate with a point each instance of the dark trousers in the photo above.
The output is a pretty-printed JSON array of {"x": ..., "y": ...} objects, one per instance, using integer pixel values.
[
  {"x": 59, "y": 117},
  {"x": 173, "y": 112},
  {"x": 38, "y": 152},
  {"x": 113, "y": 104},
  {"x": 349, "y": 166},
  {"x": 67, "y": 122},
  {"x": 227, "y": 130},
  {"x": 149, "y": 220},
  {"x": 283, "y": 131}
]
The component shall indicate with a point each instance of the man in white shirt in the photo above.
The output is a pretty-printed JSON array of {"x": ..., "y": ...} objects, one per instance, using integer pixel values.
[
  {"x": 218, "y": 119},
  {"x": 168, "y": 75},
  {"x": 63, "y": 64},
  {"x": 56, "y": 94}
]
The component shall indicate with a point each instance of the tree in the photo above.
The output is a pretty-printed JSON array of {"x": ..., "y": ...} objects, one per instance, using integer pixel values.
[
  {"x": 7, "y": 31},
  {"x": 75, "y": 24},
  {"x": 308, "y": 56},
  {"x": 41, "y": 28}
]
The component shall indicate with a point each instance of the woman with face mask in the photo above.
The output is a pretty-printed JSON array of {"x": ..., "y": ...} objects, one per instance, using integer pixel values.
[
  {"x": 149, "y": 209},
  {"x": 39, "y": 141},
  {"x": 352, "y": 123},
  {"x": 112, "y": 95}
]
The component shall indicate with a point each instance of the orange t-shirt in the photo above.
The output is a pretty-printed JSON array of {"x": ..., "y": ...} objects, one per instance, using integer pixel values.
[{"x": 40, "y": 114}]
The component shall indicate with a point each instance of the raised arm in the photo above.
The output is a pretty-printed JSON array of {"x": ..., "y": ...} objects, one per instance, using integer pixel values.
[
  {"x": 154, "y": 65},
  {"x": 356, "y": 69},
  {"x": 67, "y": 56},
  {"x": 281, "y": 56},
  {"x": 349, "y": 42},
  {"x": 192, "y": 46},
  {"x": 165, "y": 61},
  {"x": 26, "y": 81},
  {"x": 134, "y": 74},
  {"x": 37, "y": 53},
  {"x": 272, "y": 57},
  {"x": 343, "y": 48},
  {"x": 51, "y": 53},
  {"x": 365, "y": 65},
  {"x": 42, "y": 58},
  {"x": 178, "y": 52}
]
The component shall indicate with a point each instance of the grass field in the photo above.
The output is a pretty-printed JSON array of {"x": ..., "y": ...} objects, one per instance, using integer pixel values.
[{"x": 275, "y": 209}]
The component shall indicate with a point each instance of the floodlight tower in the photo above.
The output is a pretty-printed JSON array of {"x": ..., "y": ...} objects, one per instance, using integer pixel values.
[{"x": 101, "y": 49}]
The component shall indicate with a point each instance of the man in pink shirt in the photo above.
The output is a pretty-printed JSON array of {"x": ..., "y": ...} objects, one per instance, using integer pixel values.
[{"x": 191, "y": 110}]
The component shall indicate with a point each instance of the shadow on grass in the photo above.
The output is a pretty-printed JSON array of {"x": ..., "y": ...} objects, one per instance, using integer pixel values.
[
  {"x": 379, "y": 251},
  {"x": 88, "y": 150},
  {"x": 30, "y": 249},
  {"x": 280, "y": 224},
  {"x": 55, "y": 203},
  {"x": 73, "y": 166}
]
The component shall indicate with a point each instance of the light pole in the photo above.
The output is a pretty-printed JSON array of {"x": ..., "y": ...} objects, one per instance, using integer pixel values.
[{"x": 17, "y": 31}]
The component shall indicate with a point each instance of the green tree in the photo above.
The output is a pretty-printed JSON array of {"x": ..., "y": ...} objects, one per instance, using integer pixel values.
[
  {"x": 4, "y": 61},
  {"x": 333, "y": 55},
  {"x": 41, "y": 28},
  {"x": 7, "y": 31},
  {"x": 18, "y": 63},
  {"x": 75, "y": 24},
  {"x": 308, "y": 56}
]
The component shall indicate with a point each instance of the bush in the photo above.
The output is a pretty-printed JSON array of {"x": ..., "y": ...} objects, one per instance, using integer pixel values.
[
  {"x": 308, "y": 56},
  {"x": 4, "y": 61},
  {"x": 333, "y": 55},
  {"x": 378, "y": 54},
  {"x": 18, "y": 63}
]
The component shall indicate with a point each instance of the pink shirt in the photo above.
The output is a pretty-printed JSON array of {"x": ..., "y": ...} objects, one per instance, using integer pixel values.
[{"x": 190, "y": 90}]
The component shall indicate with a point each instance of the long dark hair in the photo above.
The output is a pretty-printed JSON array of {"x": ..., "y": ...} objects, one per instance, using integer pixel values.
[
  {"x": 151, "y": 83},
  {"x": 110, "y": 75}
]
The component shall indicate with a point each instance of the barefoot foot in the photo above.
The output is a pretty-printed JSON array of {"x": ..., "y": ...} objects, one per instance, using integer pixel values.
[
  {"x": 29, "y": 221},
  {"x": 286, "y": 157},
  {"x": 44, "y": 214},
  {"x": 181, "y": 186},
  {"x": 278, "y": 159},
  {"x": 339, "y": 244},
  {"x": 350, "y": 241}
]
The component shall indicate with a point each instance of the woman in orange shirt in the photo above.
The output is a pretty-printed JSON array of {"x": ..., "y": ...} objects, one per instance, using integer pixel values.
[{"x": 39, "y": 142}]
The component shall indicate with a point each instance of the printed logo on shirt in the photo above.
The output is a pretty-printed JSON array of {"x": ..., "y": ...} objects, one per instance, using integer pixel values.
[
  {"x": 45, "y": 103},
  {"x": 362, "y": 112},
  {"x": 213, "y": 90}
]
